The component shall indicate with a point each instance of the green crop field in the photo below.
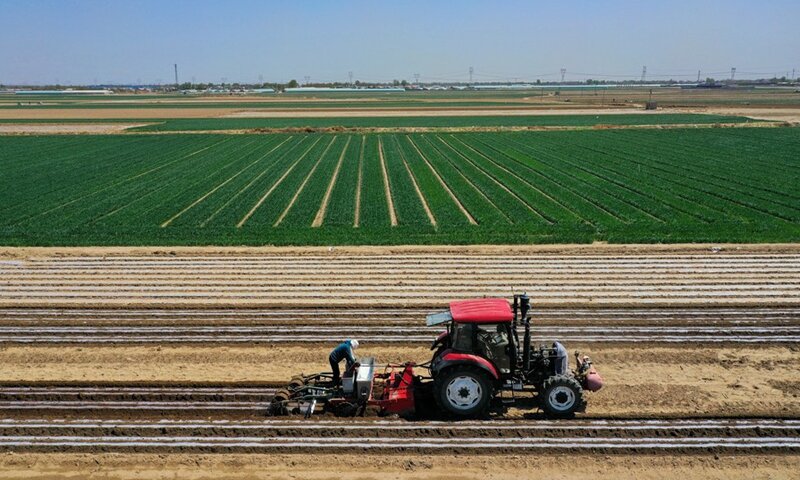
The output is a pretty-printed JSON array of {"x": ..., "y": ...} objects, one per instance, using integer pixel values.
[
  {"x": 465, "y": 121},
  {"x": 282, "y": 105},
  {"x": 680, "y": 185}
]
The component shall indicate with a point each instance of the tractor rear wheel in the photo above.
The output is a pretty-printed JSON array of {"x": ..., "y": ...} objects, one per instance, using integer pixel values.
[
  {"x": 561, "y": 396},
  {"x": 278, "y": 404},
  {"x": 463, "y": 391}
]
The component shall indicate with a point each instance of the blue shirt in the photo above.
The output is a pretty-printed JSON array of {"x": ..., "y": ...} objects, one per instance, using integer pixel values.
[{"x": 343, "y": 351}]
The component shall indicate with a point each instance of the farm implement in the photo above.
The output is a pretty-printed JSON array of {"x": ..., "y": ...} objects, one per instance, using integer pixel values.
[{"x": 478, "y": 361}]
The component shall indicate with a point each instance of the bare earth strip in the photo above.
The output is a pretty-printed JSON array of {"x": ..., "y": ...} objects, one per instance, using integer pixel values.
[
  {"x": 303, "y": 185},
  {"x": 318, "y": 219},
  {"x": 453, "y": 196},
  {"x": 350, "y": 277},
  {"x": 274, "y": 186},
  {"x": 99, "y": 113},
  {"x": 470, "y": 182},
  {"x": 357, "y": 214},
  {"x": 66, "y": 128},
  {"x": 210, "y": 192},
  {"x": 422, "y": 199},
  {"x": 643, "y": 380},
  {"x": 403, "y": 466},
  {"x": 771, "y": 114},
  {"x": 491, "y": 177},
  {"x": 387, "y": 185}
]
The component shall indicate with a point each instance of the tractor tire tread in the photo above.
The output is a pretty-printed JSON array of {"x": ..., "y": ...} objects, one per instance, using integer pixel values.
[
  {"x": 566, "y": 380},
  {"x": 439, "y": 385}
]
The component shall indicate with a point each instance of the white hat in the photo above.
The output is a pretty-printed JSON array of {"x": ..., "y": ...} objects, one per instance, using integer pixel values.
[{"x": 354, "y": 344}]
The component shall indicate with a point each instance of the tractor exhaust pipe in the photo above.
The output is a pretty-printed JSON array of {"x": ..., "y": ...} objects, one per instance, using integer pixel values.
[{"x": 524, "y": 308}]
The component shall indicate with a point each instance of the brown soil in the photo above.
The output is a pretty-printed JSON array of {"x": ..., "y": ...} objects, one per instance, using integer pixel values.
[
  {"x": 365, "y": 466},
  {"x": 116, "y": 113},
  {"x": 776, "y": 114},
  {"x": 641, "y": 381},
  {"x": 65, "y": 128},
  {"x": 386, "y": 185},
  {"x": 287, "y": 277},
  {"x": 323, "y": 207}
]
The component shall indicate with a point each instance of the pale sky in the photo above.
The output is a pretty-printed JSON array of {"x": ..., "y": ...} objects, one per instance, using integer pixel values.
[{"x": 82, "y": 42}]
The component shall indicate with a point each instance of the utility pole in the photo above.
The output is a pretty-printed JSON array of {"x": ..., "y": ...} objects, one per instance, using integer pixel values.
[
  {"x": 644, "y": 73},
  {"x": 563, "y": 72},
  {"x": 471, "y": 70},
  {"x": 176, "y": 75},
  {"x": 350, "y": 76},
  {"x": 733, "y": 72}
]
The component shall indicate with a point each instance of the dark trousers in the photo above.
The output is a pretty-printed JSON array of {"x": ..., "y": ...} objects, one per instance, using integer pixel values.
[{"x": 335, "y": 370}]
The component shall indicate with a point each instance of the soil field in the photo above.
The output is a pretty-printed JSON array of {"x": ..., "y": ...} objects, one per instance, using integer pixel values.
[
  {"x": 643, "y": 380},
  {"x": 372, "y": 277},
  {"x": 621, "y": 186},
  {"x": 316, "y": 325},
  {"x": 60, "y": 128},
  {"x": 112, "y": 366},
  {"x": 402, "y": 466}
]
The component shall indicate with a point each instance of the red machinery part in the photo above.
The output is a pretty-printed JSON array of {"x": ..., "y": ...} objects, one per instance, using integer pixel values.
[
  {"x": 450, "y": 357},
  {"x": 398, "y": 392},
  {"x": 484, "y": 310},
  {"x": 593, "y": 381}
]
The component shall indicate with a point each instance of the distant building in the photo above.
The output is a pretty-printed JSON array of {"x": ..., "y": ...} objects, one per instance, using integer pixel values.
[{"x": 68, "y": 91}]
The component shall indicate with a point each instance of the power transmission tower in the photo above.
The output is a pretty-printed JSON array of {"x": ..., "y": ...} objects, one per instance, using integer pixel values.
[
  {"x": 698, "y": 76},
  {"x": 176, "y": 75},
  {"x": 350, "y": 76},
  {"x": 471, "y": 70},
  {"x": 416, "y": 79},
  {"x": 644, "y": 73},
  {"x": 563, "y": 72},
  {"x": 793, "y": 77},
  {"x": 733, "y": 72},
  {"x": 261, "y": 79},
  {"x": 307, "y": 79}
]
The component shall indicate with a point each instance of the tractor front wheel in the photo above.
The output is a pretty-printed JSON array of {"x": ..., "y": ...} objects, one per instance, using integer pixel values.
[
  {"x": 561, "y": 396},
  {"x": 463, "y": 391}
]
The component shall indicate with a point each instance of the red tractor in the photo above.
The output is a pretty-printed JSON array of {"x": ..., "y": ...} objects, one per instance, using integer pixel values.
[{"x": 478, "y": 357}]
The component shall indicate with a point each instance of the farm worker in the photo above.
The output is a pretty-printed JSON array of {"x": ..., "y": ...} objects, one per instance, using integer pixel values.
[{"x": 343, "y": 351}]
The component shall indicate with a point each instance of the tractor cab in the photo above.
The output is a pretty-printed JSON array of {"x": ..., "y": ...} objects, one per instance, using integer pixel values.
[{"x": 481, "y": 328}]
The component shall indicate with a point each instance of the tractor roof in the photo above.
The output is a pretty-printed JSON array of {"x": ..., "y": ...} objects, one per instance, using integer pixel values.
[{"x": 483, "y": 310}]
